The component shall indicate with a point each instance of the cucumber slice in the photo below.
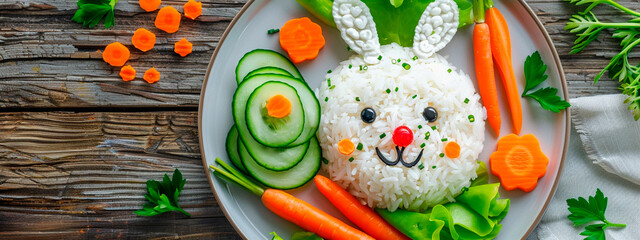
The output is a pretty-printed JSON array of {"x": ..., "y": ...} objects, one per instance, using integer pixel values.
[
  {"x": 271, "y": 131},
  {"x": 264, "y": 58},
  {"x": 288, "y": 179},
  {"x": 309, "y": 102},
  {"x": 232, "y": 148},
  {"x": 276, "y": 159},
  {"x": 267, "y": 70}
]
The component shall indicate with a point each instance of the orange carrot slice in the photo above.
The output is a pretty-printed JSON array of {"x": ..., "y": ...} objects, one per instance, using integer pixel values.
[
  {"x": 168, "y": 19},
  {"x": 301, "y": 38},
  {"x": 518, "y": 162},
  {"x": 116, "y": 54},
  {"x": 346, "y": 146},
  {"x": 143, "y": 39},
  {"x": 152, "y": 75},
  {"x": 192, "y": 9},
  {"x": 183, "y": 47},
  {"x": 149, "y": 5},
  {"x": 452, "y": 150},
  {"x": 127, "y": 73},
  {"x": 278, "y": 106}
]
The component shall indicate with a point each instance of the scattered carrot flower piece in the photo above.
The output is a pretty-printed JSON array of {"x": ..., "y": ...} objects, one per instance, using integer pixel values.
[
  {"x": 152, "y": 75},
  {"x": 346, "y": 146},
  {"x": 168, "y": 19},
  {"x": 302, "y": 39},
  {"x": 452, "y": 150},
  {"x": 116, "y": 54},
  {"x": 518, "y": 162},
  {"x": 127, "y": 73},
  {"x": 192, "y": 9},
  {"x": 183, "y": 47},
  {"x": 278, "y": 106},
  {"x": 143, "y": 39},
  {"x": 149, "y": 5}
]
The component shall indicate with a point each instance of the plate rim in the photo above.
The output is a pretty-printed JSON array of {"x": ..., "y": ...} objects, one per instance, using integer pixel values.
[{"x": 526, "y": 6}]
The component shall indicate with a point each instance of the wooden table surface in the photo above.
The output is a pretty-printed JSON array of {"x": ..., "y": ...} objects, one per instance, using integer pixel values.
[{"x": 77, "y": 143}]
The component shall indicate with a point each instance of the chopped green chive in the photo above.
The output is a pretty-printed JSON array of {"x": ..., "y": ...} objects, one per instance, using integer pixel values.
[
  {"x": 350, "y": 66},
  {"x": 433, "y": 127},
  {"x": 329, "y": 71},
  {"x": 466, "y": 100},
  {"x": 472, "y": 118},
  {"x": 464, "y": 189},
  {"x": 406, "y": 66},
  {"x": 415, "y": 58},
  {"x": 329, "y": 82},
  {"x": 444, "y": 139},
  {"x": 379, "y": 57},
  {"x": 422, "y": 145},
  {"x": 441, "y": 154},
  {"x": 272, "y": 31},
  {"x": 351, "y": 159},
  {"x": 348, "y": 48},
  {"x": 421, "y": 166},
  {"x": 359, "y": 147},
  {"x": 449, "y": 70},
  {"x": 427, "y": 135},
  {"x": 325, "y": 161},
  {"x": 419, "y": 126},
  {"x": 360, "y": 67},
  {"x": 383, "y": 135},
  {"x": 365, "y": 67},
  {"x": 432, "y": 32},
  {"x": 396, "y": 89},
  {"x": 388, "y": 90},
  {"x": 433, "y": 167},
  {"x": 332, "y": 87},
  {"x": 414, "y": 96},
  {"x": 398, "y": 60},
  {"x": 357, "y": 99},
  {"x": 326, "y": 99},
  {"x": 394, "y": 61}
]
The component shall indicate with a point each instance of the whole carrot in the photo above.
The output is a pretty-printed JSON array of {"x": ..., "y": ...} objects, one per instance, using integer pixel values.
[
  {"x": 484, "y": 67},
  {"x": 291, "y": 208},
  {"x": 501, "y": 50},
  {"x": 364, "y": 217}
]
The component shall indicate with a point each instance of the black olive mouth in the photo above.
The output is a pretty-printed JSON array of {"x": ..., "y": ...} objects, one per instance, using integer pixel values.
[{"x": 399, "y": 158}]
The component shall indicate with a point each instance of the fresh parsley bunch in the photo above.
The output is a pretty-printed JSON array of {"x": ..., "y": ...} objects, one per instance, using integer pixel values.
[
  {"x": 90, "y": 12},
  {"x": 163, "y": 196},
  {"x": 534, "y": 74},
  {"x": 587, "y": 28},
  {"x": 583, "y": 212}
]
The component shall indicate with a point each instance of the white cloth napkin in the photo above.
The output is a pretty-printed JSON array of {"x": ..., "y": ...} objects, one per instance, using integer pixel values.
[{"x": 604, "y": 152}]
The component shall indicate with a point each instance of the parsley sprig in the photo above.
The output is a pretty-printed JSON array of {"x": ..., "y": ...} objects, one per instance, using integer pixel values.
[
  {"x": 583, "y": 212},
  {"x": 534, "y": 74},
  {"x": 586, "y": 26},
  {"x": 163, "y": 196},
  {"x": 90, "y": 12}
]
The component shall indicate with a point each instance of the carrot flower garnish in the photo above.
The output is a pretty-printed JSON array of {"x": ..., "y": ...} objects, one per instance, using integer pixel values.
[
  {"x": 183, "y": 47},
  {"x": 518, "y": 162},
  {"x": 168, "y": 19},
  {"x": 152, "y": 75},
  {"x": 192, "y": 9},
  {"x": 143, "y": 39},
  {"x": 127, "y": 73},
  {"x": 116, "y": 54},
  {"x": 301, "y": 38},
  {"x": 149, "y": 5}
]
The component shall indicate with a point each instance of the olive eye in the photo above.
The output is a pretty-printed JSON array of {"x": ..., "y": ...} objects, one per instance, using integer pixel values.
[
  {"x": 368, "y": 115},
  {"x": 430, "y": 114}
]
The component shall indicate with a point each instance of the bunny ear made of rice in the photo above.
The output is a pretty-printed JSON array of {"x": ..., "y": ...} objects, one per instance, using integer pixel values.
[
  {"x": 357, "y": 28},
  {"x": 437, "y": 26}
]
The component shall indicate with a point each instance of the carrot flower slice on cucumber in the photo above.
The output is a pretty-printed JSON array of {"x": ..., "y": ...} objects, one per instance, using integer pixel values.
[{"x": 291, "y": 208}]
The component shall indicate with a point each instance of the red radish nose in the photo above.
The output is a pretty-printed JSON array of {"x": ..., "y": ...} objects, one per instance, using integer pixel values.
[{"x": 402, "y": 136}]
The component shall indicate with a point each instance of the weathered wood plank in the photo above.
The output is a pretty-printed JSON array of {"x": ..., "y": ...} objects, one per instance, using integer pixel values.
[
  {"x": 83, "y": 174},
  {"x": 48, "y": 61}
]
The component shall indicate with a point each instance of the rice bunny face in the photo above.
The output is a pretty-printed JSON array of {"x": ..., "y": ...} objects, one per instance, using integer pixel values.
[{"x": 414, "y": 120}]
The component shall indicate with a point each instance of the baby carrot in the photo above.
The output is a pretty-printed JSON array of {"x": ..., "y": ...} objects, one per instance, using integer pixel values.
[
  {"x": 291, "y": 208},
  {"x": 501, "y": 51},
  {"x": 484, "y": 67},
  {"x": 364, "y": 217}
]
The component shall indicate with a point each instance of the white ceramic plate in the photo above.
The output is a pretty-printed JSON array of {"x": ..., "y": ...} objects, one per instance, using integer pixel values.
[{"x": 248, "y": 31}]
